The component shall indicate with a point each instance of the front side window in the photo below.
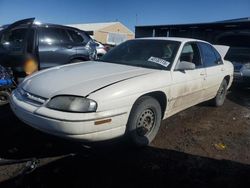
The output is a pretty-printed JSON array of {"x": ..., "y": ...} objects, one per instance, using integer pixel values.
[
  {"x": 156, "y": 54},
  {"x": 191, "y": 54},
  {"x": 13, "y": 40},
  {"x": 208, "y": 55}
]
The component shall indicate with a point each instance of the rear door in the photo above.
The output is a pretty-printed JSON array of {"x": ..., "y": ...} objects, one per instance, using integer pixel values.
[
  {"x": 55, "y": 47},
  {"x": 214, "y": 69},
  {"x": 80, "y": 41}
]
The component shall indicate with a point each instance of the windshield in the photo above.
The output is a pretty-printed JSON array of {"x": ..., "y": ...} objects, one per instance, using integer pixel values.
[{"x": 156, "y": 54}]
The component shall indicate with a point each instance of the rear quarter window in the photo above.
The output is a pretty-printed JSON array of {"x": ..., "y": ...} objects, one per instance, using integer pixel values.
[
  {"x": 218, "y": 56},
  {"x": 77, "y": 36}
]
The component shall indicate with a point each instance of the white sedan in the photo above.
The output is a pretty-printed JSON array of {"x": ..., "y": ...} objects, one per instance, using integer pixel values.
[{"x": 128, "y": 92}]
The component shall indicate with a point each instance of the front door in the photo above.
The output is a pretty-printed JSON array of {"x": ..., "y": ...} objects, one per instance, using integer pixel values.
[
  {"x": 16, "y": 44},
  {"x": 187, "y": 88},
  {"x": 80, "y": 40}
]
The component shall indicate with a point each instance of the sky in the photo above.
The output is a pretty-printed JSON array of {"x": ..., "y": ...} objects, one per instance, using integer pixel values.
[{"x": 149, "y": 12}]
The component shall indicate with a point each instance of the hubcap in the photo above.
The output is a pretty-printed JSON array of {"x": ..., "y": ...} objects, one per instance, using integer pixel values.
[
  {"x": 221, "y": 93},
  {"x": 145, "y": 122},
  {"x": 3, "y": 98}
]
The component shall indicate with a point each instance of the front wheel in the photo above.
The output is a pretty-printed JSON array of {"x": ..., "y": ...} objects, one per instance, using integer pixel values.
[
  {"x": 221, "y": 94},
  {"x": 75, "y": 61},
  {"x": 4, "y": 97},
  {"x": 144, "y": 121}
]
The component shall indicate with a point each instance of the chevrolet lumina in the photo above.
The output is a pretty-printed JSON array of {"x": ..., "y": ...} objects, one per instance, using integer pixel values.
[{"x": 126, "y": 93}]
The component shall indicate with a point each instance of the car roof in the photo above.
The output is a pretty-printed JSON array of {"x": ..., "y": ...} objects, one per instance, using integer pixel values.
[
  {"x": 178, "y": 39},
  {"x": 39, "y": 24},
  {"x": 55, "y": 25},
  {"x": 51, "y": 25}
]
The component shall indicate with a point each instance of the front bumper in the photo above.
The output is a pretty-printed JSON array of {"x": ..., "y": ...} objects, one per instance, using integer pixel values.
[{"x": 82, "y": 128}]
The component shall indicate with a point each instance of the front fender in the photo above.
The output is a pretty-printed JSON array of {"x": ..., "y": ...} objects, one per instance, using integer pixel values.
[{"x": 125, "y": 93}]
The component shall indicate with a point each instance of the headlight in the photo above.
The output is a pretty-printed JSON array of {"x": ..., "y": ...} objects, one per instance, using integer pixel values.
[
  {"x": 246, "y": 66},
  {"x": 72, "y": 104}
]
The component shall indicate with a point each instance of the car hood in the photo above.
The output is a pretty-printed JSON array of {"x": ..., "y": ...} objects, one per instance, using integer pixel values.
[{"x": 79, "y": 79}]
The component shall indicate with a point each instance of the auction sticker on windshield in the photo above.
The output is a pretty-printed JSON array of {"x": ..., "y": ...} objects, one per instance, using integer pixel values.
[{"x": 159, "y": 61}]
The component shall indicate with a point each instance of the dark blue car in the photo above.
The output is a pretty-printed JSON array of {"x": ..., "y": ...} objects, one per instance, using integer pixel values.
[
  {"x": 6, "y": 84},
  {"x": 240, "y": 57},
  {"x": 27, "y": 46}
]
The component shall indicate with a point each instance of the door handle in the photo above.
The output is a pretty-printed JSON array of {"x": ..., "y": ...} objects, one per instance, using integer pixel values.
[
  {"x": 222, "y": 69},
  {"x": 202, "y": 74}
]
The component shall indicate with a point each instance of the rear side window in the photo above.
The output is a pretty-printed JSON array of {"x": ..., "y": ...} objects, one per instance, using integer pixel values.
[
  {"x": 76, "y": 36},
  {"x": 218, "y": 56},
  {"x": 52, "y": 35},
  {"x": 208, "y": 55}
]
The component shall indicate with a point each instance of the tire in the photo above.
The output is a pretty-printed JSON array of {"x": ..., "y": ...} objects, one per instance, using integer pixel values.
[
  {"x": 144, "y": 121},
  {"x": 4, "y": 97},
  {"x": 221, "y": 94},
  {"x": 76, "y": 61},
  {"x": 99, "y": 56}
]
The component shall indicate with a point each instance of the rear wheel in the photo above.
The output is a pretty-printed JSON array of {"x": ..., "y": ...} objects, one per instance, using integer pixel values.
[
  {"x": 76, "y": 61},
  {"x": 4, "y": 97},
  {"x": 144, "y": 121},
  {"x": 99, "y": 56},
  {"x": 221, "y": 94}
]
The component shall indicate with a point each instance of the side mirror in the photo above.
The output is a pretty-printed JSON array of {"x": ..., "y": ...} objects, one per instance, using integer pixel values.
[{"x": 184, "y": 65}]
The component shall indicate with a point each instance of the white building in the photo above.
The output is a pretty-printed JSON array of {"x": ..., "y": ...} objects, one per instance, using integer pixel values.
[{"x": 112, "y": 33}]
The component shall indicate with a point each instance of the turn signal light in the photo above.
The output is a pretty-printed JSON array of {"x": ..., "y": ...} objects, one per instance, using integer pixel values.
[{"x": 102, "y": 121}]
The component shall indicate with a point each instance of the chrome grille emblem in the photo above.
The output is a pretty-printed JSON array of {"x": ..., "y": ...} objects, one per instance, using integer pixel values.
[
  {"x": 30, "y": 97},
  {"x": 35, "y": 98}
]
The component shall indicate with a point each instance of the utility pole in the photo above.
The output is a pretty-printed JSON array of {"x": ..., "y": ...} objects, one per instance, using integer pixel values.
[{"x": 136, "y": 19}]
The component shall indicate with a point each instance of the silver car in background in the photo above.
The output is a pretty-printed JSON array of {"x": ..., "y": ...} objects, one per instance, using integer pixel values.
[{"x": 240, "y": 57}]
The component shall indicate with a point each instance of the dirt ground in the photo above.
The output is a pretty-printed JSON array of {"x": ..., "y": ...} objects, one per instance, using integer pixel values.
[{"x": 203, "y": 146}]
